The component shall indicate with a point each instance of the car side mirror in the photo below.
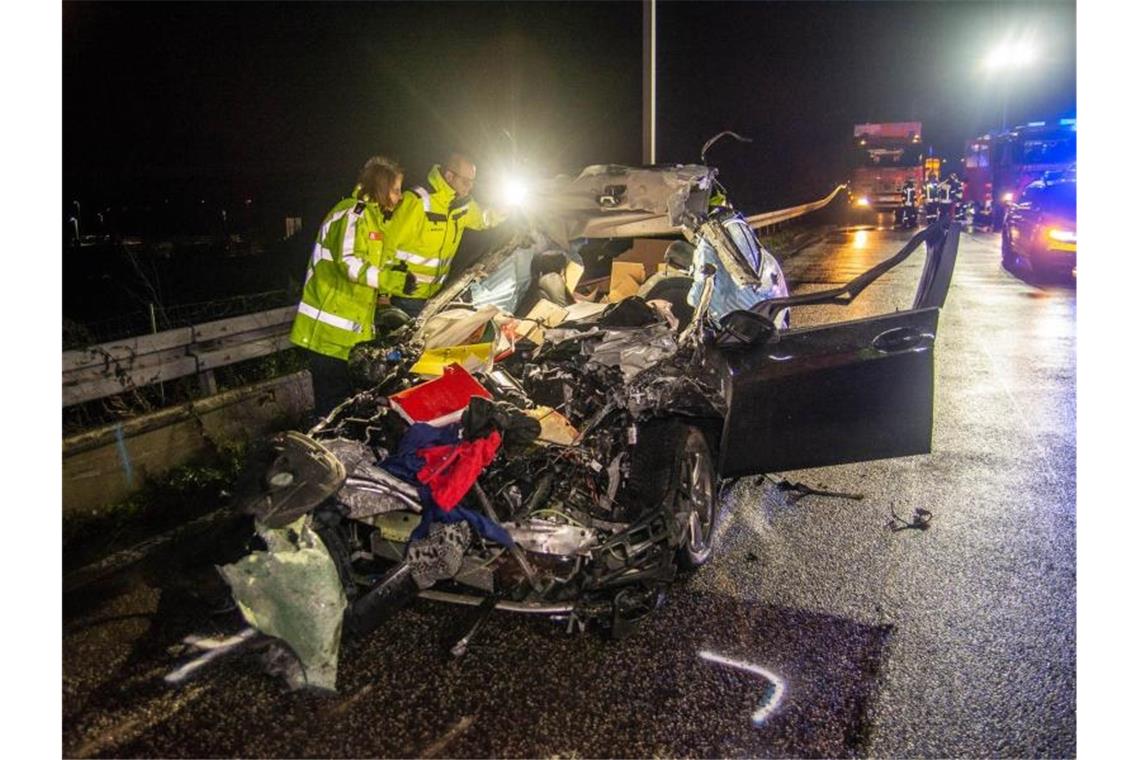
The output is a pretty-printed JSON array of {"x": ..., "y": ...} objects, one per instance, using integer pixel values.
[{"x": 744, "y": 329}]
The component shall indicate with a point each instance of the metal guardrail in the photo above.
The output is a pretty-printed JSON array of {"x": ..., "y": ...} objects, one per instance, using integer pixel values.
[
  {"x": 117, "y": 366},
  {"x": 79, "y": 334},
  {"x": 768, "y": 218}
]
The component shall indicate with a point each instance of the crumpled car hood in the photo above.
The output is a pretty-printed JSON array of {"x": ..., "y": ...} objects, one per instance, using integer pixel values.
[{"x": 609, "y": 200}]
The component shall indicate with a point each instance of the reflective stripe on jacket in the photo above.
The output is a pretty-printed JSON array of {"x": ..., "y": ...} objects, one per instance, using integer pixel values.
[
  {"x": 424, "y": 235},
  {"x": 339, "y": 298}
]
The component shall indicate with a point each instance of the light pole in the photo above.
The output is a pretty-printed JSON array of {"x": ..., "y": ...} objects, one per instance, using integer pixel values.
[
  {"x": 1002, "y": 60},
  {"x": 649, "y": 82}
]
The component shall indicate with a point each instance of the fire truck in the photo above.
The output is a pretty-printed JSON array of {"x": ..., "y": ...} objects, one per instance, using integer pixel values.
[
  {"x": 999, "y": 166},
  {"x": 886, "y": 156}
]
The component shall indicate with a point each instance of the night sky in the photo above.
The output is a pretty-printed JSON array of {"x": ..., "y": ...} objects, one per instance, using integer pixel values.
[{"x": 282, "y": 102}]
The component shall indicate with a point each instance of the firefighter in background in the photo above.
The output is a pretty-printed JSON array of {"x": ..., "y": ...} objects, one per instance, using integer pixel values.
[
  {"x": 931, "y": 199},
  {"x": 908, "y": 212},
  {"x": 338, "y": 302},
  {"x": 950, "y": 194},
  {"x": 955, "y": 192},
  {"x": 425, "y": 232}
]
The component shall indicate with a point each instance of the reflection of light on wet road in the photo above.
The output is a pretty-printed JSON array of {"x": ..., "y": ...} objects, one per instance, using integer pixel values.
[
  {"x": 858, "y": 255},
  {"x": 772, "y": 696},
  {"x": 1055, "y": 321}
]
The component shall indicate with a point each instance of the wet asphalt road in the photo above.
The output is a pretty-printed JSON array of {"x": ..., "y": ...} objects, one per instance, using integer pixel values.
[{"x": 954, "y": 641}]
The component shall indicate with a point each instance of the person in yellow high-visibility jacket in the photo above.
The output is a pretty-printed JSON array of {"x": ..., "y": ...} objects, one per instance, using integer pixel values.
[
  {"x": 338, "y": 302},
  {"x": 425, "y": 231}
]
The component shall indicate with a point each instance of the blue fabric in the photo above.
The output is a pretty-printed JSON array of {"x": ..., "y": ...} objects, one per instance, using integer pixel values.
[
  {"x": 483, "y": 525},
  {"x": 406, "y": 463}
]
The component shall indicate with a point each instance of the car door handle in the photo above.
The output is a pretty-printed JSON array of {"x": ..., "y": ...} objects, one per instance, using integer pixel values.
[{"x": 899, "y": 339}]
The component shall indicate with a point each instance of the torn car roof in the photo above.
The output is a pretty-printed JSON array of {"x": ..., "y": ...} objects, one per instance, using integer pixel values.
[{"x": 610, "y": 200}]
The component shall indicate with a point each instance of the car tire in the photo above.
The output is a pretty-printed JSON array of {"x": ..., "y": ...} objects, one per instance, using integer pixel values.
[
  {"x": 674, "y": 467},
  {"x": 697, "y": 494},
  {"x": 1008, "y": 259}
]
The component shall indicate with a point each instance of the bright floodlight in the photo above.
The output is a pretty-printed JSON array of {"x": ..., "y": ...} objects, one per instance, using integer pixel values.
[
  {"x": 1010, "y": 55},
  {"x": 998, "y": 58},
  {"x": 514, "y": 191}
]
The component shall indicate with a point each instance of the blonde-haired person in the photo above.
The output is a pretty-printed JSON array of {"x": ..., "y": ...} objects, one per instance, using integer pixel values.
[{"x": 338, "y": 302}]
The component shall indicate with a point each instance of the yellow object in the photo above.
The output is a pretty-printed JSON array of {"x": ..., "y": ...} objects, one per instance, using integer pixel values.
[
  {"x": 474, "y": 356},
  {"x": 555, "y": 427},
  {"x": 932, "y": 169},
  {"x": 625, "y": 278},
  {"x": 574, "y": 272}
]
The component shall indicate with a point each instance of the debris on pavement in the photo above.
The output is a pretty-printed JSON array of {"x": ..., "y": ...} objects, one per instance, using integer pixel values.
[
  {"x": 805, "y": 490},
  {"x": 920, "y": 521}
]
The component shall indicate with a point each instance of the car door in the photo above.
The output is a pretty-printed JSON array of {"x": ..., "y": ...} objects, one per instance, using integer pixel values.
[
  {"x": 1024, "y": 217},
  {"x": 837, "y": 393}
]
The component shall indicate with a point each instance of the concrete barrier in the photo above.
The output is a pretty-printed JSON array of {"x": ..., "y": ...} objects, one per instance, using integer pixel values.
[{"x": 105, "y": 465}]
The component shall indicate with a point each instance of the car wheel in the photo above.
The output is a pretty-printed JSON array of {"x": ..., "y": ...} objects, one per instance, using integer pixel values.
[
  {"x": 696, "y": 498},
  {"x": 1008, "y": 259},
  {"x": 672, "y": 467}
]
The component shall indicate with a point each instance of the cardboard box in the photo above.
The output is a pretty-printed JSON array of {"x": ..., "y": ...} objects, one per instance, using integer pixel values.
[
  {"x": 547, "y": 313},
  {"x": 625, "y": 278}
]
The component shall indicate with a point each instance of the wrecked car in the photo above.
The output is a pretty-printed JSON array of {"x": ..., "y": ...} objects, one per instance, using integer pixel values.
[{"x": 569, "y": 457}]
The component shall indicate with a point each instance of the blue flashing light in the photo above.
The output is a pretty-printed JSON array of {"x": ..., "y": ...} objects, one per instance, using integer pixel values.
[
  {"x": 1036, "y": 124},
  {"x": 1068, "y": 122}
]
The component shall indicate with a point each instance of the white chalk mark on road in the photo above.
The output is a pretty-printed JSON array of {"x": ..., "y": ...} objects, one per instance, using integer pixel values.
[{"x": 772, "y": 698}]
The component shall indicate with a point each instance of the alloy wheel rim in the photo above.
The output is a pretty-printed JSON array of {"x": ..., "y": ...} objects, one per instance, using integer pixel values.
[{"x": 696, "y": 480}]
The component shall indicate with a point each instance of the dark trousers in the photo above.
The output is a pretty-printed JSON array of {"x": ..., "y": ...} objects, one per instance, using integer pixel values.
[
  {"x": 331, "y": 382},
  {"x": 410, "y": 306}
]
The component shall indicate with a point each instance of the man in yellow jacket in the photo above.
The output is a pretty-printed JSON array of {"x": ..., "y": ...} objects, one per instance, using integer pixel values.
[
  {"x": 425, "y": 231},
  {"x": 338, "y": 302}
]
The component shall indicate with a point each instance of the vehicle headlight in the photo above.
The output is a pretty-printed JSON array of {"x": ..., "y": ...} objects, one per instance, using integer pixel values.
[
  {"x": 1007, "y": 198},
  {"x": 1062, "y": 235},
  {"x": 862, "y": 201}
]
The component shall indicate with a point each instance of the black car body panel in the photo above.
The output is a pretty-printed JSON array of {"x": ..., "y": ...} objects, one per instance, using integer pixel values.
[
  {"x": 843, "y": 392},
  {"x": 846, "y": 392}
]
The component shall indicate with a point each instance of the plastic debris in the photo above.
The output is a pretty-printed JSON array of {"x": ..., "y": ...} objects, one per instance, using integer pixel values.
[
  {"x": 293, "y": 592},
  {"x": 440, "y": 401}
]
